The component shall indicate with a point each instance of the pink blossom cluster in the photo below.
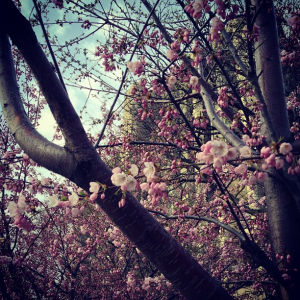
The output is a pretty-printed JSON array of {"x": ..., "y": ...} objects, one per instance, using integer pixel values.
[
  {"x": 86, "y": 24},
  {"x": 158, "y": 87},
  {"x": 294, "y": 20},
  {"x": 69, "y": 205},
  {"x": 288, "y": 57},
  {"x": 201, "y": 121},
  {"x": 108, "y": 62},
  {"x": 171, "y": 55},
  {"x": 144, "y": 113},
  {"x": 172, "y": 80},
  {"x": 182, "y": 35},
  {"x": 26, "y": 159},
  {"x": 131, "y": 282},
  {"x": 148, "y": 281},
  {"x": 58, "y": 3},
  {"x": 17, "y": 210},
  {"x": 196, "y": 8},
  {"x": 221, "y": 10},
  {"x": 295, "y": 129},
  {"x": 194, "y": 84},
  {"x": 183, "y": 140},
  {"x": 126, "y": 181},
  {"x": 149, "y": 171},
  {"x": 121, "y": 46},
  {"x": 223, "y": 97},
  {"x": 256, "y": 138},
  {"x": 156, "y": 191},
  {"x": 216, "y": 27},
  {"x": 5, "y": 260},
  {"x": 155, "y": 188},
  {"x": 215, "y": 153},
  {"x": 225, "y": 11},
  {"x": 197, "y": 54},
  {"x": 293, "y": 100},
  {"x": 272, "y": 160},
  {"x": 152, "y": 39},
  {"x": 94, "y": 189},
  {"x": 137, "y": 67},
  {"x": 167, "y": 124},
  {"x": 246, "y": 89},
  {"x": 108, "y": 58},
  {"x": 175, "y": 46}
]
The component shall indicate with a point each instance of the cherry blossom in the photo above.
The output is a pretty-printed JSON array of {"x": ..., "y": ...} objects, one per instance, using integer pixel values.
[
  {"x": 149, "y": 169},
  {"x": 94, "y": 187},
  {"x": 198, "y": 5},
  {"x": 172, "y": 80},
  {"x": 119, "y": 179},
  {"x": 262, "y": 176},
  {"x": 75, "y": 212},
  {"x": 171, "y": 55},
  {"x": 293, "y": 20},
  {"x": 12, "y": 209},
  {"x": 245, "y": 151},
  {"x": 232, "y": 153},
  {"x": 218, "y": 148},
  {"x": 194, "y": 81},
  {"x": 241, "y": 169},
  {"x": 134, "y": 170},
  {"x": 216, "y": 27},
  {"x": 116, "y": 170},
  {"x": 130, "y": 183},
  {"x": 285, "y": 148},
  {"x": 73, "y": 198},
  {"x": 265, "y": 152},
  {"x": 144, "y": 186}
]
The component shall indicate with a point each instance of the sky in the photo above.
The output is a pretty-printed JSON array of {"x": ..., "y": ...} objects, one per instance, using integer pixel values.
[{"x": 79, "y": 97}]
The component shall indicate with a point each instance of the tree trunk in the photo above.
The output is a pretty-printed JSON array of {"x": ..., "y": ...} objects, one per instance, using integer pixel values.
[{"x": 283, "y": 215}]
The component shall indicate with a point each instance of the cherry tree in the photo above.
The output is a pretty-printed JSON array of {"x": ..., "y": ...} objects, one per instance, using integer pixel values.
[{"x": 204, "y": 180}]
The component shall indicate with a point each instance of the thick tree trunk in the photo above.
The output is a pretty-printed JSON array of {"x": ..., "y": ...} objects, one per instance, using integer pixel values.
[{"x": 281, "y": 198}]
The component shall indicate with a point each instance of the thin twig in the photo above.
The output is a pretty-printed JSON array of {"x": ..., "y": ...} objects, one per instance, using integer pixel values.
[{"x": 49, "y": 45}]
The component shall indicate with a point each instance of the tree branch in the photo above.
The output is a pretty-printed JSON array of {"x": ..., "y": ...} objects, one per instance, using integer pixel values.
[
  {"x": 233, "y": 139},
  {"x": 53, "y": 157}
]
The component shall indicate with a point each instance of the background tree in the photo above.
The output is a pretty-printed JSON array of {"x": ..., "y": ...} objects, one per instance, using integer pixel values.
[{"x": 223, "y": 149}]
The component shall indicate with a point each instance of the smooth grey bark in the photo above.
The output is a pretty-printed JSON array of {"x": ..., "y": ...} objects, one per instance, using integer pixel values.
[
  {"x": 282, "y": 196},
  {"x": 79, "y": 161}
]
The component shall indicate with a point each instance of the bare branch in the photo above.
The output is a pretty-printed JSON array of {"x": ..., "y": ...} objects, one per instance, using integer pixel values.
[
  {"x": 202, "y": 218},
  {"x": 234, "y": 53},
  {"x": 233, "y": 139}
]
